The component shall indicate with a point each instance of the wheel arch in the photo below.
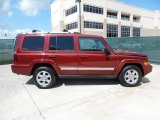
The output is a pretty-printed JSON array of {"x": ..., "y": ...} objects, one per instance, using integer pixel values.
[
  {"x": 42, "y": 65},
  {"x": 135, "y": 64}
]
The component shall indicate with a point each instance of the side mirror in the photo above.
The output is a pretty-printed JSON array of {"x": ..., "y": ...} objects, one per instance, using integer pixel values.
[{"x": 106, "y": 51}]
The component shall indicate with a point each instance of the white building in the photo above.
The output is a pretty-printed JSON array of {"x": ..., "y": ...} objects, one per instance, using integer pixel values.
[{"x": 108, "y": 18}]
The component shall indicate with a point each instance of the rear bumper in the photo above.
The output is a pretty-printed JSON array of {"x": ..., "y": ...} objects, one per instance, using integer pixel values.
[
  {"x": 147, "y": 69},
  {"x": 21, "y": 69}
]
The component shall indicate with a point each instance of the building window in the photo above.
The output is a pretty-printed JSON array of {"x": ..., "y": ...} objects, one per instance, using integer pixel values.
[
  {"x": 71, "y": 10},
  {"x": 72, "y": 26},
  {"x": 34, "y": 43},
  {"x": 125, "y": 31},
  {"x": 112, "y": 14},
  {"x": 136, "y": 32},
  {"x": 136, "y": 19},
  {"x": 88, "y": 8},
  {"x": 94, "y": 25},
  {"x": 112, "y": 30},
  {"x": 125, "y": 17},
  {"x": 61, "y": 43}
]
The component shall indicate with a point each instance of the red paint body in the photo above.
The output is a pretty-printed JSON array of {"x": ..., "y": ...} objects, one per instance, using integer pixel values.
[{"x": 24, "y": 62}]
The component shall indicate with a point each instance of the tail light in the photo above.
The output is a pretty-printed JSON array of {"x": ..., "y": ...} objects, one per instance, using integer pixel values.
[
  {"x": 15, "y": 57},
  {"x": 15, "y": 51}
]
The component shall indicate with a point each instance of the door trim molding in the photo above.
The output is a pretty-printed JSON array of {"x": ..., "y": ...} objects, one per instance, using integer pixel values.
[
  {"x": 87, "y": 68},
  {"x": 88, "y": 76}
]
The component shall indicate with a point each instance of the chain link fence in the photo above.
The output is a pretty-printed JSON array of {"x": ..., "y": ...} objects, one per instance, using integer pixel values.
[
  {"x": 147, "y": 45},
  {"x": 6, "y": 51}
]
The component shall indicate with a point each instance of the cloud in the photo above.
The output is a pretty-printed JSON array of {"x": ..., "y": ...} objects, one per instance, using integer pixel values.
[
  {"x": 5, "y": 6},
  {"x": 6, "y": 28},
  {"x": 11, "y": 34},
  {"x": 4, "y": 25},
  {"x": 26, "y": 30},
  {"x": 32, "y": 7}
]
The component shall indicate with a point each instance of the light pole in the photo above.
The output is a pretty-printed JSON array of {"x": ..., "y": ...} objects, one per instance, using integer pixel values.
[
  {"x": 79, "y": 1},
  {"x": 5, "y": 35}
]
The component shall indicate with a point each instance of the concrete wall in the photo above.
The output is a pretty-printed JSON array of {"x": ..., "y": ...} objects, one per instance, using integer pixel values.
[
  {"x": 57, "y": 15},
  {"x": 147, "y": 32},
  {"x": 73, "y": 17},
  {"x": 93, "y": 32}
]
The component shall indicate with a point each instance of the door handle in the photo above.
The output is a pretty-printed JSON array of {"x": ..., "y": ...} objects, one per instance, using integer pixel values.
[
  {"x": 84, "y": 56},
  {"x": 52, "y": 56}
]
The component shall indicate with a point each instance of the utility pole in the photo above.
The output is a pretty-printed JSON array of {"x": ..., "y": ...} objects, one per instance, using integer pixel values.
[
  {"x": 5, "y": 35},
  {"x": 79, "y": 1}
]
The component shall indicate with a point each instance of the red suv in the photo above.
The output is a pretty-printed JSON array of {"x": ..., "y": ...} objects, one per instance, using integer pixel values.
[{"x": 50, "y": 56}]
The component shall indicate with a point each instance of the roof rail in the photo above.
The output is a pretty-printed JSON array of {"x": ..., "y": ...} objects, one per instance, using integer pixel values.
[
  {"x": 39, "y": 32},
  {"x": 76, "y": 32}
]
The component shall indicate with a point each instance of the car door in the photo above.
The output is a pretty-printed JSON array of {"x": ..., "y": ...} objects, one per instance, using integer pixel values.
[
  {"x": 62, "y": 52},
  {"x": 92, "y": 58}
]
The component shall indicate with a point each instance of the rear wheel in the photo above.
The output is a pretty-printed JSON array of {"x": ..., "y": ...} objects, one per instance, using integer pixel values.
[
  {"x": 44, "y": 77},
  {"x": 130, "y": 76}
]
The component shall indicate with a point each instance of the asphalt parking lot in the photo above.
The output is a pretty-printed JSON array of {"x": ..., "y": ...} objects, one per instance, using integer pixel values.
[{"x": 20, "y": 99}]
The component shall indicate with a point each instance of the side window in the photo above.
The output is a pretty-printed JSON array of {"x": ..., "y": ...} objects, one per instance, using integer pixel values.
[
  {"x": 52, "y": 43},
  {"x": 65, "y": 43},
  {"x": 61, "y": 43},
  {"x": 34, "y": 43},
  {"x": 91, "y": 44}
]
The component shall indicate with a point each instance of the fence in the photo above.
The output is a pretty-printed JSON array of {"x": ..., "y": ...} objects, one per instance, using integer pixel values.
[
  {"x": 6, "y": 51},
  {"x": 147, "y": 45}
]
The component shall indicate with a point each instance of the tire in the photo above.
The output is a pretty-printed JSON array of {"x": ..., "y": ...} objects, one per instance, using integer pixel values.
[
  {"x": 44, "y": 77},
  {"x": 130, "y": 76}
]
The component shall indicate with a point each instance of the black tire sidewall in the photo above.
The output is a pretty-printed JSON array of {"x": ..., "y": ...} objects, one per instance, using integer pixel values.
[
  {"x": 50, "y": 71},
  {"x": 122, "y": 74}
]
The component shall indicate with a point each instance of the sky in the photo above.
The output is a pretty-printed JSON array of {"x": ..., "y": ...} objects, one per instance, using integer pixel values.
[
  {"x": 18, "y": 16},
  {"x": 147, "y": 4}
]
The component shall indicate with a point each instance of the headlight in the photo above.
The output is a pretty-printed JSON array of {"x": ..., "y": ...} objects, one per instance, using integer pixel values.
[{"x": 146, "y": 63}]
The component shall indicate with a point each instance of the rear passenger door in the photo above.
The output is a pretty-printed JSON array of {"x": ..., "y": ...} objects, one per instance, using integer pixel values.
[{"x": 62, "y": 52}]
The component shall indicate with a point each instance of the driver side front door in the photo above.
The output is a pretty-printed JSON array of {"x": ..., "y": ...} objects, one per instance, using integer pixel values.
[{"x": 92, "y": 58}]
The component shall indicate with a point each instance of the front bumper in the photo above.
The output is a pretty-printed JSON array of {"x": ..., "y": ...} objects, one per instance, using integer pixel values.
[{"x": 147, "y": 69}]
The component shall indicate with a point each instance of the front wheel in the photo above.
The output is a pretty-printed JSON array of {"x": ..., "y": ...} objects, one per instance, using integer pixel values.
[
  {"x": 130, "y": 76},
  {"x": 44, "y": 77}
]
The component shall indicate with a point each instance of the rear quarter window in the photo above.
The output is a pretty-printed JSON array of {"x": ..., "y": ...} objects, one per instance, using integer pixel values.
[{"x": 34, "y": 43}]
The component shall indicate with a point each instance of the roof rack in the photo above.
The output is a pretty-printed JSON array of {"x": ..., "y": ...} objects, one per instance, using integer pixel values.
[
  {"x": 39, "y": 32},
  {"x": 76, "y": 32}
]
